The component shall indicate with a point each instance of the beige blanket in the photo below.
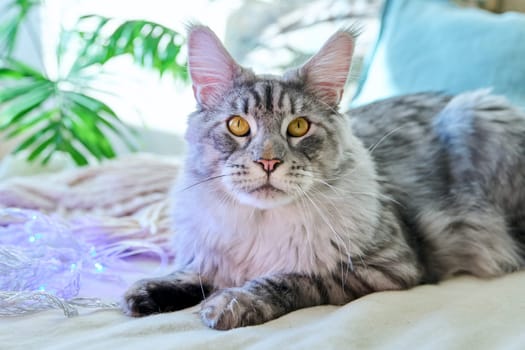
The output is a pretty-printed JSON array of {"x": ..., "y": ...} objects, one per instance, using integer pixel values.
[{"x": 128, "y": 197}]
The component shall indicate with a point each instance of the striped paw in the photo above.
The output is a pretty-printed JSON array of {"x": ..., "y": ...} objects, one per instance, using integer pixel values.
[{"x": 234, "y": 307}]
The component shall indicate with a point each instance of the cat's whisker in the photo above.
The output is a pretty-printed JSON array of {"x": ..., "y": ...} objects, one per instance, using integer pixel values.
[
  {"x": 338, "y": 191},
  {"x": 327, "y": 221},
  {"x": 225, "y": 200},
  {"x": 211, "y": 178},
  {"x": 331, "y": 187},
  {"x": 384, "y": 137},
  {"x": 334, "y": 111},
  {"x": 330, "y": 200},
  {"x": 332, "y": 178},
  {"x": 335, "y": 208},
  {"x": 339, "y": 241},
  {"x": 313, "y": 209},
  {"x": 378, "y": 195},
  {"x": 305, "y": 210}
]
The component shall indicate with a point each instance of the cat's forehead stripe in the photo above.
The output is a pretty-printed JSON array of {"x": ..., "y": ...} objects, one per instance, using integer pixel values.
[
  {"x": 269, "y": 98},
  {"x": 245, "y": 105},
  {"x": 270, "y": 95},
  {"x": 280, "y": 102},
  {"x": 292, "y": 105},
  {"x": 256, "y": 97}
]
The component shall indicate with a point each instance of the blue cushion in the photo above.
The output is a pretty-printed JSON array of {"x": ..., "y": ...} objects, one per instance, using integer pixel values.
[{"x": 435, "y": 45}]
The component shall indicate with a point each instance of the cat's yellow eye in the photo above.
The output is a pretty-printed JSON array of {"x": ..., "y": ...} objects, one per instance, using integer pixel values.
[
  {"x": 238, "y": 125},
  {"x": 298, "y": 127}
]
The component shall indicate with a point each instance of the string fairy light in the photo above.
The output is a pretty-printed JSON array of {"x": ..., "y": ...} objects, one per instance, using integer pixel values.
[{"x": 44, "y": 259}]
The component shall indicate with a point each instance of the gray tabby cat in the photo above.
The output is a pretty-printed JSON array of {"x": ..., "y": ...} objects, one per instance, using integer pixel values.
[{"x": 285, "y": 203}]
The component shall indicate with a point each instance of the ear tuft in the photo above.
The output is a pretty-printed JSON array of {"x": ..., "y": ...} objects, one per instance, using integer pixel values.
[
  {"x": 211, "y": 67},
  {"x": 326, "y": 72}
]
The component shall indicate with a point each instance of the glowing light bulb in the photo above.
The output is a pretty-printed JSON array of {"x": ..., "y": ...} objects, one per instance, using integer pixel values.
[
  {"x": 99, "y": 267},
  {"x": 93, "y": 251}
]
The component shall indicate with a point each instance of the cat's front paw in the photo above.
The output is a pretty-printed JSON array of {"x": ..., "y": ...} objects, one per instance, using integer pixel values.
[
  {"x": 152, "y": 296},
  {"x": 234, "y": 307}
]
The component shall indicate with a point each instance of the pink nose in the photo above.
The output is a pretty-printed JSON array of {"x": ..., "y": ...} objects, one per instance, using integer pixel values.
[{"x": 269, "y": 165}]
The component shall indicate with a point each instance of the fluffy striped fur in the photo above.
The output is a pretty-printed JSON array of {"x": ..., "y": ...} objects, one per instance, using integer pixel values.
[{"x": 400, "y": 192}]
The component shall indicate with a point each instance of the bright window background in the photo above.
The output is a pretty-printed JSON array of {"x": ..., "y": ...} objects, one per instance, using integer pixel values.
[{"x": 145, "y": 99}]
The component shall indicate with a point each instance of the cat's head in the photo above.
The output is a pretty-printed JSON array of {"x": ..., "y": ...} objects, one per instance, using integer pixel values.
[{"x": 266, "y": 141}]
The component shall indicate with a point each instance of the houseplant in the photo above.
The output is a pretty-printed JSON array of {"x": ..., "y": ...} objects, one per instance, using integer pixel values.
[{"x": 62, "y": 113}]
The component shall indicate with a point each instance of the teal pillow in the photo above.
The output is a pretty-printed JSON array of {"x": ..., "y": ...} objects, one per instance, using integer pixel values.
[{"x": 435, "y": 45}]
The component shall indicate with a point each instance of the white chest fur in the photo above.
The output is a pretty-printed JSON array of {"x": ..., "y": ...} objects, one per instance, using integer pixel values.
[{"x": 229, "y": 243}]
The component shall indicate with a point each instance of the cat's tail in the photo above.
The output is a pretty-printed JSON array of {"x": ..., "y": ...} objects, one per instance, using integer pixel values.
[{"x": 482, "y": 136}]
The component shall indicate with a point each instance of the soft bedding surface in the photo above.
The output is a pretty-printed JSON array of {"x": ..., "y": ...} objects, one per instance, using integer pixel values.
[
  {"x": 128, "y": 197},
  {"x": 464, "y": 313}
]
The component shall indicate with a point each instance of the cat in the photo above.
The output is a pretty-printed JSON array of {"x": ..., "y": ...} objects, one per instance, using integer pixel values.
[{"x": 285, "y": 203}]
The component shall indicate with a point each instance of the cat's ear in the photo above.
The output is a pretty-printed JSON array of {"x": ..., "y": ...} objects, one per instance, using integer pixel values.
[
  {"x": 211, "y": 67},
  {"x": 326, "y": 72}
]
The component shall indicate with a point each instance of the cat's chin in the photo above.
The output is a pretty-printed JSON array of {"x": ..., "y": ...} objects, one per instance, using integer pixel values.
[{"x": 265, "y": 197}]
